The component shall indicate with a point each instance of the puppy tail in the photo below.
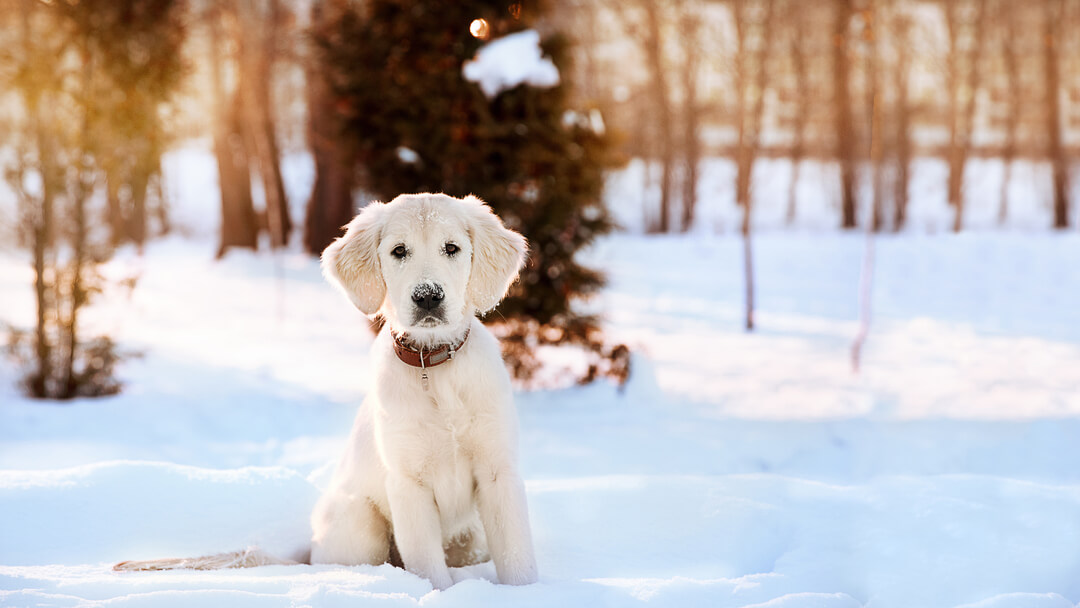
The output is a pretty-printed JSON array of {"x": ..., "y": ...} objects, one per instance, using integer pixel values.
[{"x": 247, "y": 558}]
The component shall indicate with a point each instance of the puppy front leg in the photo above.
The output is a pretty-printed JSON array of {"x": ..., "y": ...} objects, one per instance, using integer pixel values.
[
  {"x": 505, "y": 516},
  {"x": 417, "y": 530}
]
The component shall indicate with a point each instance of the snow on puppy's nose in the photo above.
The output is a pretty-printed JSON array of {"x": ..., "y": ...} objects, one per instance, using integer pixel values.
[{"x": 427, "y": 296}]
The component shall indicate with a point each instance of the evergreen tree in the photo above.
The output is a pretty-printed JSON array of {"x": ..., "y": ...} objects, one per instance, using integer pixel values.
[{"x": 418, "y": 125}]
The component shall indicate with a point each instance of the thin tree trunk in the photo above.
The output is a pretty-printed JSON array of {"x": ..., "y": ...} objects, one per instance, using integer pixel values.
[
  {"x": 1003, "y": 195},
  {"x": 114, "y": 209},
  {"x": 877, "y": 216},
  {"x": 331, "y": 204},
  {"x": 1055, "y": 14},
  {"x": 903, "y": 122},
  {"x": 239, "y": 227},
  {"x": 802, "y": 95},
  {"x": 749, "y": 121},
  {"x": 748, "y": 271},
  {"x": 41, "y": 218},
  {"x": 69, "y": 386},
  {"x": 1012, "y": 110},
  {"x": 161, "y": 209},
  {"x": 866, "y": 276},
  {"x": 661, "y": 99},
  {"x": 82, "y": 189},
  {"x": 844, "y": 129},
  {"x": 866, "y": 280},
  {"x": 691, "y": 116},
  {"x": 792, "y": 195},
  {"x": 257, "y": 55},
  {"x": 140, "y": 183},
  {"x": 962, "y": 119}
]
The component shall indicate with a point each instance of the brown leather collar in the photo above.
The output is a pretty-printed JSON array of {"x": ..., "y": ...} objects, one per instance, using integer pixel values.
[{"x": 423, "y": 357}]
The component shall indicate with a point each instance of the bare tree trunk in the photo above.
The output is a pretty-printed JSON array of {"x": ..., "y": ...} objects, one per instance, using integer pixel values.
[
  {"x": 140, "y": 184},
  {"x": 161, "y": 208},
  {"x": 691, "y": 37},
  {"x": 258, "y": 33},
  {"x": 866, "y": 281},
  {"x": 877, "y": 216},
  {"x": 902, "y": 44},
  {"x": 866, "y": 275},
  {"x": 844, "y": 129},
  {"x": 239, "y": 227},
  {"x": 653, "y": 45},
  {"x": 69, "y": 385},
  {"x": 114, "y": 209},
  {"x": 1055, "y": 15},
  {"x": 748, "y": 272},
  {"x": 1007, "y": 16},
  {"x": 83, "y": 187},
  {"x": 749, "y": 68},
  {"x": 802, "y": 96},
  {"x": 331, "y": 204},
  {"x": 40, "y": 214},
  {"x": 963, "y": 115}
]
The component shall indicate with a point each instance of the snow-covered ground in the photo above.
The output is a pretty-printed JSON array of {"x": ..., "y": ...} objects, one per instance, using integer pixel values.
[{"x": 733, "y": 470}]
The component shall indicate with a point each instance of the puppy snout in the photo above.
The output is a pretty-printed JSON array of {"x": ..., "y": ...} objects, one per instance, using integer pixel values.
[{"x": 427, "y": 296}]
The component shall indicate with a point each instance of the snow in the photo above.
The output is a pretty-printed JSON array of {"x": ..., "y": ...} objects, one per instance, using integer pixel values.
[
  {"x": 507, "y": 62},
  {"x": 734, "y": 469},
  {"x": 408, "y": 155}
]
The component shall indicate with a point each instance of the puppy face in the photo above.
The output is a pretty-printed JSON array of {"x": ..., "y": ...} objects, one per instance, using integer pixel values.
[
  {"x": 425, "y": 254},
  {"x": 427, "y": 262}
]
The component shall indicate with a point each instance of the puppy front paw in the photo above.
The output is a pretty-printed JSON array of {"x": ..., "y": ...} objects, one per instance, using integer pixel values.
[
  {"x": 519, "y": 572},
  {"x": 441, "y": 580}
]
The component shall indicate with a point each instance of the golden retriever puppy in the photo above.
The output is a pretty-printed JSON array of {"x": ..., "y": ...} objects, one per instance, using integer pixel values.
[{"x": 430, "y": 473}]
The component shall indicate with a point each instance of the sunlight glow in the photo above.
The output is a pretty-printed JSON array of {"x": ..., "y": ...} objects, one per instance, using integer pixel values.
[{"x": 479, "y": 29}]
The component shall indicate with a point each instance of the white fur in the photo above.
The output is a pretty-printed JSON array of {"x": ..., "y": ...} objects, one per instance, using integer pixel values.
[{"x": 433, "y": 471}]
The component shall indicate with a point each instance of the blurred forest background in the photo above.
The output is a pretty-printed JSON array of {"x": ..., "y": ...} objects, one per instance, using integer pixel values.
[{"x": 667, "y": 95}]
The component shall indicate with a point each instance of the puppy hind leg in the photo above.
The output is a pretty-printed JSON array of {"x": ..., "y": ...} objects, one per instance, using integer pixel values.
[{"x": 353, "y": 534}]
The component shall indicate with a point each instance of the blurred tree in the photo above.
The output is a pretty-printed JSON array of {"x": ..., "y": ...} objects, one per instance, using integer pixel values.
[
  {"x": 239, "y": 225},
  {"x": 242, "y": 52},
  {"x": 1054, "y": 42},
  {"x": 799, "y": 41},
  {"x": 1009, "y": 94},
  {"x": 72, "y": 76},
  {"x": 660, "y": 93},
  {"x": 692, "y": 110},
  {"x": 900, "y": 27},
  {"x": 844, "y": 129},
  {"x": 965, "y": 22},
  {"x": 331, "y": 203},
  {"x": 872, "y": 36},
  {"x": 417, "y": 125},
  {"x": 670, "y": 41},
  {"x": 754, "y": 21},
  {"x": 139, "y": 70},
  {"x": 261, "y": 23}
]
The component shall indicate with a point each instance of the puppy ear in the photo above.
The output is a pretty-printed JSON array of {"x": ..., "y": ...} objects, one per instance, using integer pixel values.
[
  {"x": 498, "y": 254},
  {"x": 352, "y": 261}
]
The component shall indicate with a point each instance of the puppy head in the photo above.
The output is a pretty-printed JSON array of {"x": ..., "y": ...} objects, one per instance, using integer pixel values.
[{"x": 429, "y": 262}]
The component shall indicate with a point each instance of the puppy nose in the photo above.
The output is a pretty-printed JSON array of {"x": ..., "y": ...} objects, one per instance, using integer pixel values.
[{"x": 427, "y": 296}]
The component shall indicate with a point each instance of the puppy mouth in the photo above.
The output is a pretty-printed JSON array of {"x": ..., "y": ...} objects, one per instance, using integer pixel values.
[{"x": 428, "y": 320}]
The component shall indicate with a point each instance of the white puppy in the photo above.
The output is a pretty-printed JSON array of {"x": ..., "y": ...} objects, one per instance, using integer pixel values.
[{"x": 430, "y": 472}]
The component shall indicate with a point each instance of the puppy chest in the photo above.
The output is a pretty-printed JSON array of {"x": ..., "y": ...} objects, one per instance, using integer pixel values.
[{"x": 450, "y": 463}]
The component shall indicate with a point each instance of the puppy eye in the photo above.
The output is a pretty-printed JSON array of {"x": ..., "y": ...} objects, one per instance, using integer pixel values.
[
  {"x": 399, "y": 252},
  {"x": 451, "y": 249}
]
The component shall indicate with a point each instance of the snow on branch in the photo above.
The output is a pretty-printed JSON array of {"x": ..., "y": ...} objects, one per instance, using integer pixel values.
[{"x": 505, "y": 63}]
